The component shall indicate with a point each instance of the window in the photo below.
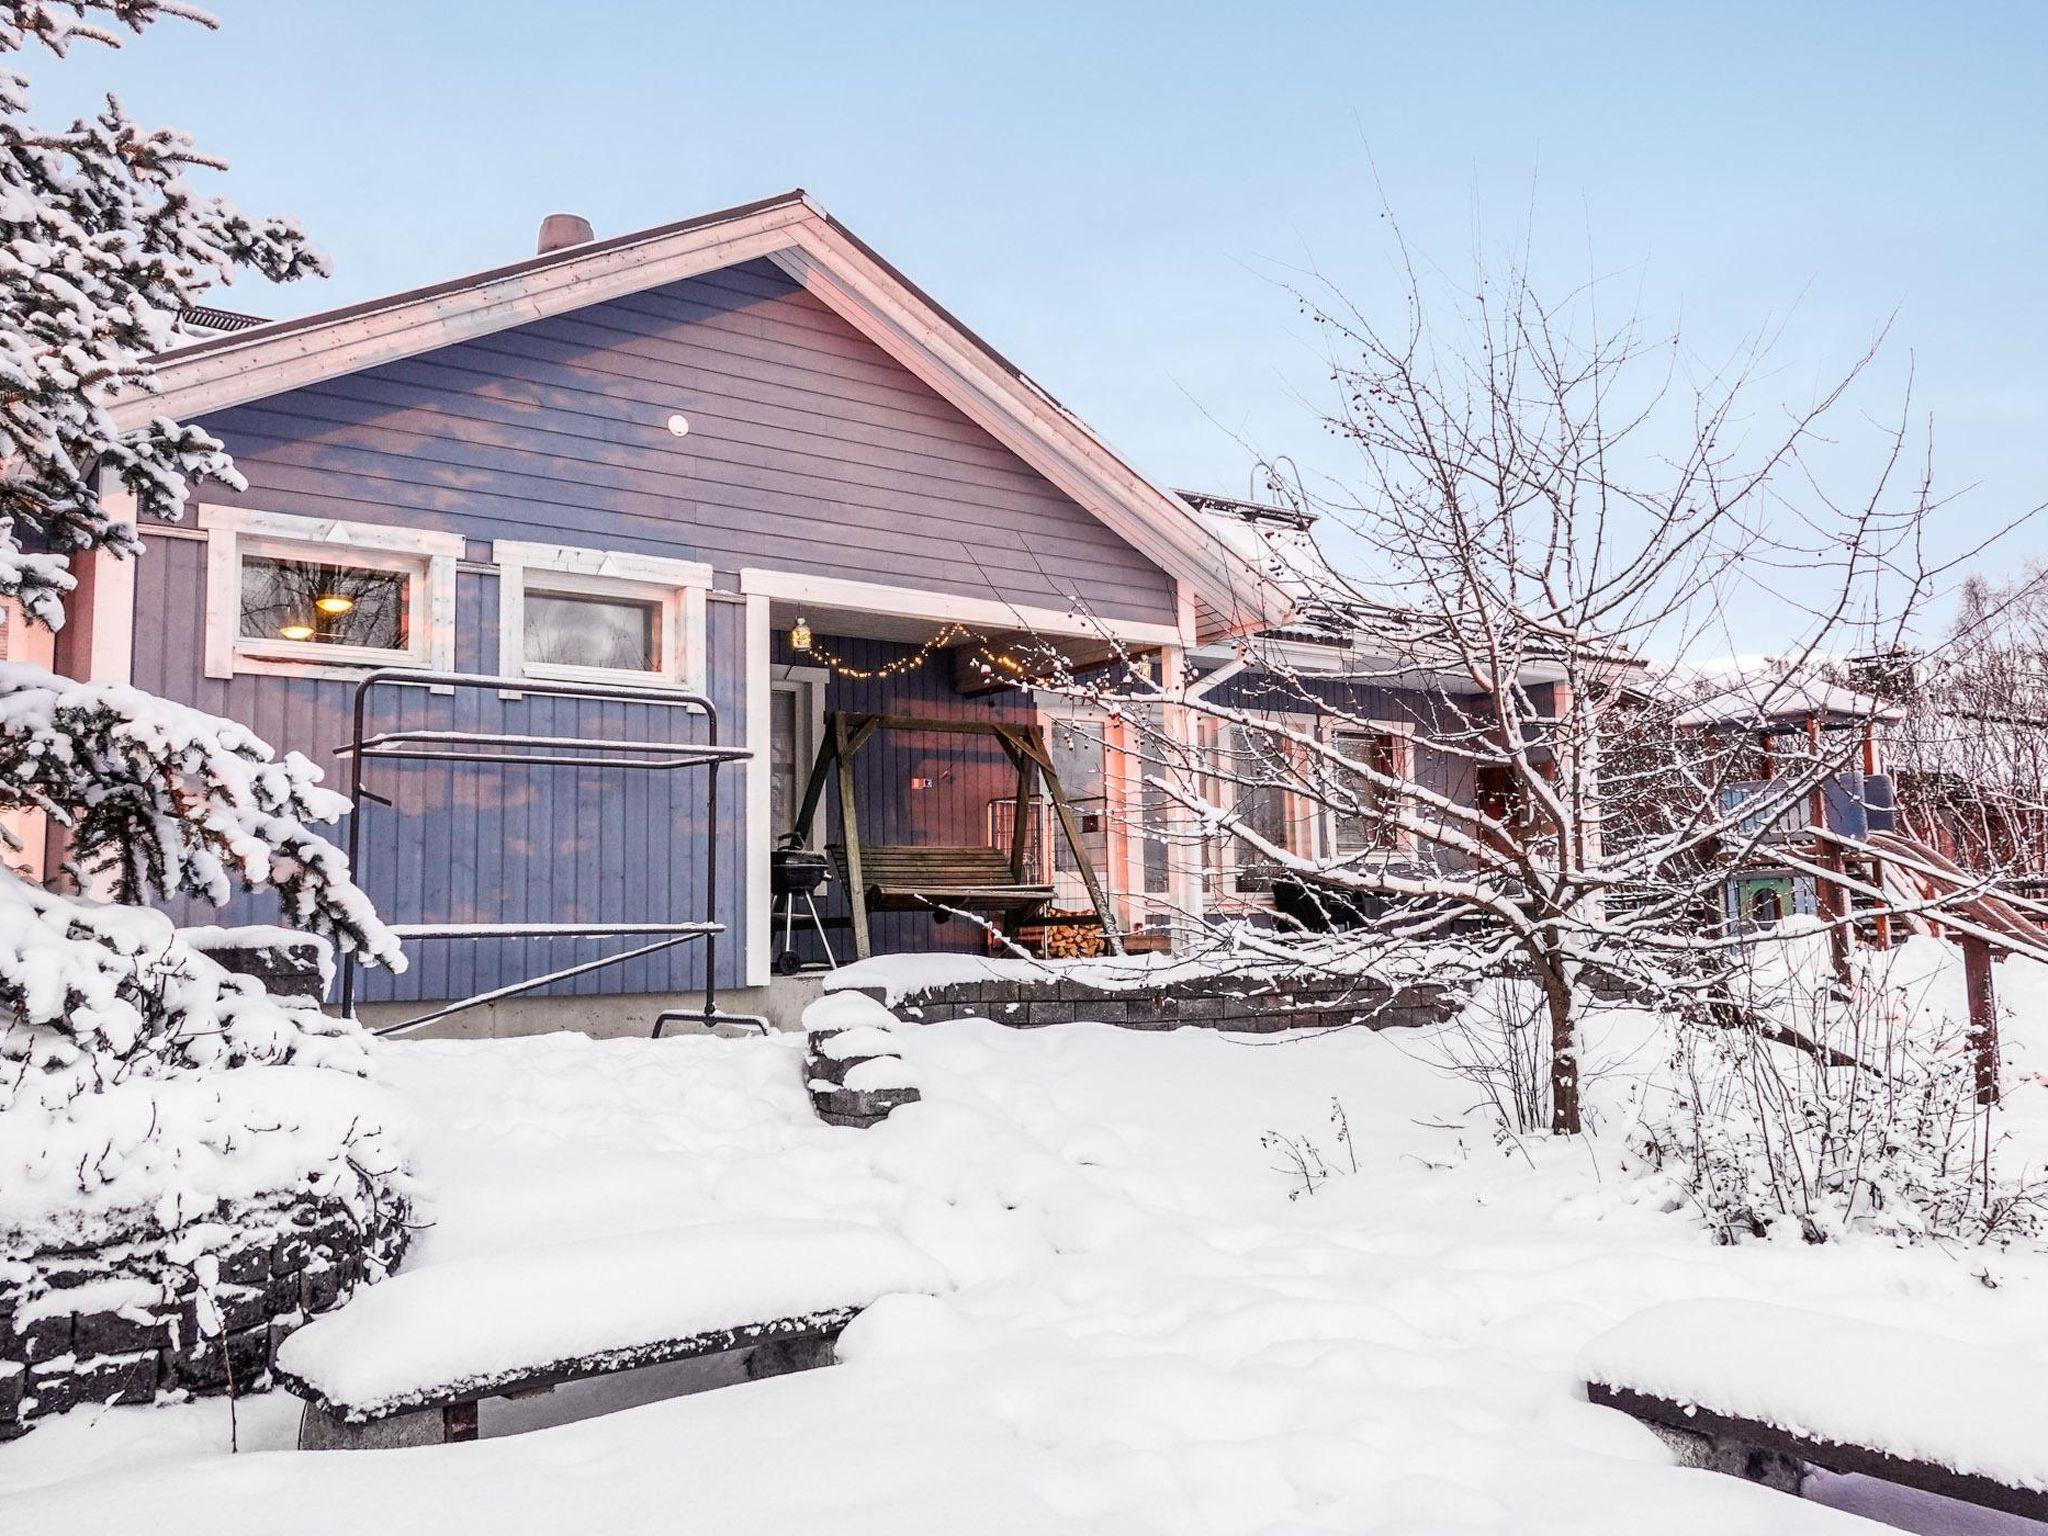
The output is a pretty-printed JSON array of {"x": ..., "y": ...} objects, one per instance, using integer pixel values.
[
  {"x": 598, "y": 615},
  {"x": 319, "y": 597},
  {"x": 568, "y": 630},
  {"x": 1259, "y": 773},
  {"x": 1363, "y": 810},
  {"x": 310, "y": 602}
]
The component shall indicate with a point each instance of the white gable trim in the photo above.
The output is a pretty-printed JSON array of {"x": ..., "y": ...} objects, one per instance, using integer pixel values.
[{"x": 832, "y": 266}]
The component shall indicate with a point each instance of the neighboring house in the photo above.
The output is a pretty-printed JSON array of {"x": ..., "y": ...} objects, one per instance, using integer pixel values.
[
  {"x": 1802, "y": 716},
  {"x": 1331, "y": 673},
  {"x": 650, "y": 458}
]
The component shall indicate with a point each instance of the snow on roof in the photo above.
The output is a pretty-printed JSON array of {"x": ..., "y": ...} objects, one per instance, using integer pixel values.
[
  {"x": 1331, "y": 607},
  {"x": 1739, "y": 690}
]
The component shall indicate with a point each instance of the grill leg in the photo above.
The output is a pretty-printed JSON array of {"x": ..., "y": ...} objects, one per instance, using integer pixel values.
[{"x": 818, "y": 923}]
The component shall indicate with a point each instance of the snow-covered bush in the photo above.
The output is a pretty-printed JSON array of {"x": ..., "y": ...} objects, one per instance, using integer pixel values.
[
  {"x": 137, "y": 1077},
  {"x": 1812, "y": 1108}
]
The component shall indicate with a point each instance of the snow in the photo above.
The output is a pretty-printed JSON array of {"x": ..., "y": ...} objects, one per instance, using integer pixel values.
[
  {"x": 847, "y": 1010},
  {"x": 502, "y": 1316},
  {"x": 1143, "y": 1333},
  {"x": 1914, "y": 1395},
  {"x": 165, "y": 1152},
  {"x": 1754, "y": 688}
]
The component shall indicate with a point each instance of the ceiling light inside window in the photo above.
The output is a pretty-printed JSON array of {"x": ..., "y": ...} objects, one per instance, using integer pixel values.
[
  {"x": 296, "y": 631},
  {"x": 334, "y": 603}
]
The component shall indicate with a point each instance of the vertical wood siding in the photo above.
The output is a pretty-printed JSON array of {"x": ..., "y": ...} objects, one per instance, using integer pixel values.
[{"x": 488, "y": 843}]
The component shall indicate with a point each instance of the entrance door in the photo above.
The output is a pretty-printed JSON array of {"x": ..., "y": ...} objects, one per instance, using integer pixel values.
[{"x": 796, "y": 722}]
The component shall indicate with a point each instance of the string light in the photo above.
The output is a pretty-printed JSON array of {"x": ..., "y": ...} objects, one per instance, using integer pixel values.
[
  {"x": 1012, "y": 667},
  {"x": 840, "y": 667}
]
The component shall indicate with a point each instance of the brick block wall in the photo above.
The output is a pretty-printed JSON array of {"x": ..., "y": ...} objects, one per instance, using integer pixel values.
[
  {"x": 125, "y": 1320},
  {"x": 1257, "y": 1005}
]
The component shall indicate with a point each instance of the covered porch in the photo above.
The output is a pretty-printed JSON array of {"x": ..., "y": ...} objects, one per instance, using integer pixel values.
[{"x": 898, "y": 708}]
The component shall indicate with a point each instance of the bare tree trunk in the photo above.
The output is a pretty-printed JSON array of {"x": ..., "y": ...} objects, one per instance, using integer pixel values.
[{"x": 1564, "y": 1048}]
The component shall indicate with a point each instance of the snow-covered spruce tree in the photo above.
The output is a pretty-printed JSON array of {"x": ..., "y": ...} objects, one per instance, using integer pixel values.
[
  {"x": 103, "y": 246},
  {"x": 1464, "y": 702}
]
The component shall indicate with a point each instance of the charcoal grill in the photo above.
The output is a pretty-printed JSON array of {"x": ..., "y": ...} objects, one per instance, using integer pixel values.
[{"x": 794, "y": 875}]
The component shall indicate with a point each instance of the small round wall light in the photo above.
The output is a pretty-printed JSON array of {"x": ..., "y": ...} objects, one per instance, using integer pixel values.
[{"x": 679, "y": 425}]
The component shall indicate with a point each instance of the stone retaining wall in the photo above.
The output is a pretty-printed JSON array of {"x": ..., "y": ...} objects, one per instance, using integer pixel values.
[
  {"x": 1253, "y": 1004},
  {"x": 128, "y": 1319}
]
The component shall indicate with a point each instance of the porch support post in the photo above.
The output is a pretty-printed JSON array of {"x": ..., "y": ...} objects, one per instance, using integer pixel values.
[
  {"x": 1983, "y": 1003},
  {"x": 1184, "y": 853},
  {"x": 849, "y": 832},
  {"x": 1023, "y": 809},
  {"x": 760, "y": 941}
]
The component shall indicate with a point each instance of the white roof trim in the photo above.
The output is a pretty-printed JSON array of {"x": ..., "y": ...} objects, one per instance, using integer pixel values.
[{"x": 836, "y": 269}]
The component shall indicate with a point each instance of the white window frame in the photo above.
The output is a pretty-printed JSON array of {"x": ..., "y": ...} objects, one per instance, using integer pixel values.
[
  {"x": 427, "y": 558},
  {"x": 808, "y": 685},
  {"x": 1403, "y": 734},
  {"x": 677, "y": 588},
  {"x": 1225, "y": 855}
]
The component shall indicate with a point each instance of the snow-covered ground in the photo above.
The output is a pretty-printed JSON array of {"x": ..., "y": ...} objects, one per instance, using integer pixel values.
[{"x": 1145, "y": 1333}]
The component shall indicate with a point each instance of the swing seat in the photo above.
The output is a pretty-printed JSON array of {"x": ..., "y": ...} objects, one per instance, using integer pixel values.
[{"x": 915, "y": 879}]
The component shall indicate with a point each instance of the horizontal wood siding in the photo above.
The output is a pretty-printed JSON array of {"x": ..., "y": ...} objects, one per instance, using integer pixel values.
[
  {"x": 486, "y": 843},
  {"x": 809, "y": 450}
]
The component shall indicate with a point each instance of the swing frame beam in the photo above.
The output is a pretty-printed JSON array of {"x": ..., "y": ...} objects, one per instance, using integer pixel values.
[{"x": 848, "y": 731}]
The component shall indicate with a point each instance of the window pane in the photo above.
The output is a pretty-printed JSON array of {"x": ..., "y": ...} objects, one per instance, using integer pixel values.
[
  {"x": 1371, "y": 824},
  {"x": 783, "y": 751},
  {"x": 315, "y": 603},
  {"x": 567, "y": 631},
  {"x": 1262, "y": 805}
]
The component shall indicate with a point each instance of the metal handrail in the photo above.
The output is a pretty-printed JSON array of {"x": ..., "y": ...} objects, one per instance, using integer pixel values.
[{"x": 465, "y": 747}]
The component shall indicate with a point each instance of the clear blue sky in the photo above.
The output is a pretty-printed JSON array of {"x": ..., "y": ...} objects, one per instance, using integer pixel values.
[{"x": 1110, "y": 193}]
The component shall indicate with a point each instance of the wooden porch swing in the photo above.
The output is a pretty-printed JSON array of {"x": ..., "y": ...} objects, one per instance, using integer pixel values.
[{"x": 941, "y": 880}]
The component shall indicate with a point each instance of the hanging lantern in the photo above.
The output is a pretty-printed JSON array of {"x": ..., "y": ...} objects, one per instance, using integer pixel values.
[
  {"x": 334, "y": 603},
  {"x": 800, "y": 636}
]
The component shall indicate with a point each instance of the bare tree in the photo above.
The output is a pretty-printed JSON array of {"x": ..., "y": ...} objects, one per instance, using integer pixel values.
[
  {"x": 1972, "y": 750},
  {"x": 1466, "y": 708}
]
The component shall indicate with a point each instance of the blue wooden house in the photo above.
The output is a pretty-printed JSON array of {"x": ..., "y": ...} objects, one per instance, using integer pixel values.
[{"x": 654, "y": 459}]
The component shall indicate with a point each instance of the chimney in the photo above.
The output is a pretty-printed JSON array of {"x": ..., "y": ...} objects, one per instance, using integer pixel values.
[{"x": 558, "y": 231}]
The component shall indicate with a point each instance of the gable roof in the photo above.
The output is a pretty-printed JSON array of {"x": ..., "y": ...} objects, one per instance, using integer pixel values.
[{"x": 830, "y": 262}]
